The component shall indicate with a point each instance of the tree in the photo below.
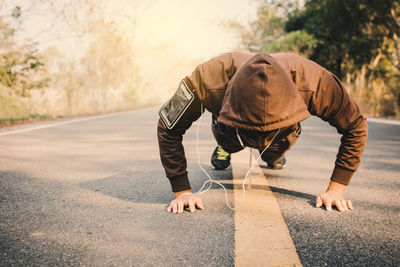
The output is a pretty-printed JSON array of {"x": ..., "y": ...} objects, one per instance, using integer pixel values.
[
  {"x": 358, "y": 40},
  {"x": 386, "y": 19},
  {"x": 267, "y": 33},
  {"x": 21, "y": 68},
  {"x": 299, "y": 42},
  {"x": 110, "y": 67},
  {"x": 348, "y": 32}
]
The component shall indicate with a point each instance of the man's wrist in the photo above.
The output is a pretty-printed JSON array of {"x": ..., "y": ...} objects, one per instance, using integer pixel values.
[
  {"x": 179, "y": 183},
  {"x": 339, "y": 187},
  {"x": 341, "y": 175},
  {"x": 183, "y": 192}
]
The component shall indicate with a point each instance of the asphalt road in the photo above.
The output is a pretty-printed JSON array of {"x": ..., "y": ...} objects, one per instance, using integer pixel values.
[
  {"x": 367, "y": 236},
  {"x": 93, "y": 192}
]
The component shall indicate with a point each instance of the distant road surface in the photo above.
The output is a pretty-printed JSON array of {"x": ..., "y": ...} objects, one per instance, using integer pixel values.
[{"x": 92, "y": 191}]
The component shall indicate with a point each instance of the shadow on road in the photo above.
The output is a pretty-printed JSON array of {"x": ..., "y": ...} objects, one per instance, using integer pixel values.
[
  {"x": 151, "y": 186},
  {"x": 309, "y": 197},
  {"x": 136, "y": 187}
]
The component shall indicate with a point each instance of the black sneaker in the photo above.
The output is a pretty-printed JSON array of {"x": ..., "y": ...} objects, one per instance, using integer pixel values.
[
  {"x": 220, "y": 159},
  {"x": 280, "y": 164}
]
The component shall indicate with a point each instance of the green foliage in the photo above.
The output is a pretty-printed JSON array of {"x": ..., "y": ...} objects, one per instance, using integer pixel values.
[
  {"x": 268, "y": 27},
  {"x": 268, "y": 34},
  {"x": 29, "y": 118},
  {"x": 356, "y": 39},
  {"x": 348, "y": 32},
  {"x": 299, "y": 42}
]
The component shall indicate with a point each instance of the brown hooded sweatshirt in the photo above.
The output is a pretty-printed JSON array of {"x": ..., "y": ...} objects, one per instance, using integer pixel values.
[{"x": 266, "y": 92}]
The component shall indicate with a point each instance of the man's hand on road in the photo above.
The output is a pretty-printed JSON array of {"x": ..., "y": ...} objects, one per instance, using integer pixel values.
[
  {"x": 334, "y": 196},
  {"x": 184, "y": 199}
]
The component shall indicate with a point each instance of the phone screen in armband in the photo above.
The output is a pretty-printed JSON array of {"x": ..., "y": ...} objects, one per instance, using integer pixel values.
[{"x": 174, "y": 108}]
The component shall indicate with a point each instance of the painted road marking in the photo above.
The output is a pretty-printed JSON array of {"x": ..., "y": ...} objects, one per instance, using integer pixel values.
[
  {"x": 261, "y": 235},
  {"x": 66, "y": 122},
  {"x": 384, "y": 121}
]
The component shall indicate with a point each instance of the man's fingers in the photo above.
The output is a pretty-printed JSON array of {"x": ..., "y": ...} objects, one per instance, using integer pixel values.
[
  {"x": 318, "y": 202},
  {"x": 344, "y": 205},
  {"x": 175, "y": 207},
  {"x": 338, "y": 205},
  {"x": 180, "y": 207},
  {"x": 328, "y": 204},
  {"x": 349, "y": 204},
  {"x": 192, "y": 208},
  {"x": 199, "y": 203}
]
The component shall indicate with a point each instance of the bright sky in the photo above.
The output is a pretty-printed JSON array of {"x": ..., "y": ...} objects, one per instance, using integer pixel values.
[
  {"x": 194, "y": 27},
  {"x": 176, "y": 35}
]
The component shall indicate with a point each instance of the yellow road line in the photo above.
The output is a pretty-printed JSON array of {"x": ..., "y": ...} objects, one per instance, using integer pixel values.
[{"x": 261, "y": 235}]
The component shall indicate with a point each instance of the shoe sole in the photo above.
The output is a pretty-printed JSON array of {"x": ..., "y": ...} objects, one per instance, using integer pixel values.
[{"x": 278, "y": 167}]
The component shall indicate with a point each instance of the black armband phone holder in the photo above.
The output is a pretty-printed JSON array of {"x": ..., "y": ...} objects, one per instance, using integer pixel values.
[{"x": 173, "y": 109}]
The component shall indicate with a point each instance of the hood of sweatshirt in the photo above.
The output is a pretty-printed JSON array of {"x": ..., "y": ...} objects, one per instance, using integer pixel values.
[{"x": 262, "y": 97}]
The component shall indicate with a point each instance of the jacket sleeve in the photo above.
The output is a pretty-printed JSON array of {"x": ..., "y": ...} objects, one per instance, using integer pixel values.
[
  {"x": 209, "y": 80},
  {"x": 213, "y": 75},
  {"x": 172, "y": 153},
  {"x": 332, "y": 103}
]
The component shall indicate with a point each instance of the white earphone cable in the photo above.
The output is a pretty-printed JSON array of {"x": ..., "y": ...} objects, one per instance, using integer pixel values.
[{"x": 210, "y": 181}]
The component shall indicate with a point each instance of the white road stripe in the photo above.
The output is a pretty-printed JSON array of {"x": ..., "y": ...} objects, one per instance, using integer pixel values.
[
  {"x": 384, "y": 121},
  {"x": 63, "y": 123}
]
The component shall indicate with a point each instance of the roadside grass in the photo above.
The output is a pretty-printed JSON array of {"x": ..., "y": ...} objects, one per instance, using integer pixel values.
[{"x": 4, "y": 122}]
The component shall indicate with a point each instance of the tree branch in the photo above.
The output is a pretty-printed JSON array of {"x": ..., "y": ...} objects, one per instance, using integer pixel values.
[
  {"x": 387, "y": 54},
  {"x": 396, "y": 46}
]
